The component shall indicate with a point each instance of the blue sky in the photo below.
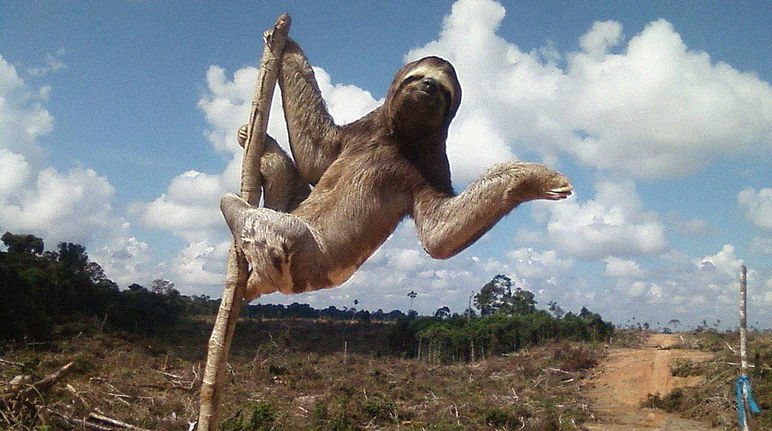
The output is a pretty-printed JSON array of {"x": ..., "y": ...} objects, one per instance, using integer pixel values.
[{"x": 117, "y": 124}]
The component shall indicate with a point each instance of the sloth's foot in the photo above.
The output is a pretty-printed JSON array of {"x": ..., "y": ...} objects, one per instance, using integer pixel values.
[{"x": 269, "y": 263}]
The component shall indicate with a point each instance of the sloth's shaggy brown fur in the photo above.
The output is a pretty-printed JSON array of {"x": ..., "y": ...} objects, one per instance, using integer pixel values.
[{"x": 367, "y": 176}]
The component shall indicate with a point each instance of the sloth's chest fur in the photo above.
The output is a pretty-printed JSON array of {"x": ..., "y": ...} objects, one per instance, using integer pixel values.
[{"x": 369, "y": 202}]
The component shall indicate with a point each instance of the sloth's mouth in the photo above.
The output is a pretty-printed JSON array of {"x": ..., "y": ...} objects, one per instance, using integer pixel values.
[
  {"x": 428, "y": 105},
  {"x": 428, "y": 98},
  {"x": 431, "y": 98}
]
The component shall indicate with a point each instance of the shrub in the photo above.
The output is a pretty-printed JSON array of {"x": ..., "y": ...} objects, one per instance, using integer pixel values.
[
  {"x": 500, "y": 417},
  {"x": 255, "y": 416},
  {"x": 575, "y": 358},
  {"x": 672, "y": 402},
  {"x": 685, "y": 368},
  {"x": 380, "y": 408}
]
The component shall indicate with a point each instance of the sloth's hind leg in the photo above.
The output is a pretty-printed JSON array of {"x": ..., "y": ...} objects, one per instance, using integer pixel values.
[
  {"x": 284, "y": 188},
  {"x": 271, "y": 241}
]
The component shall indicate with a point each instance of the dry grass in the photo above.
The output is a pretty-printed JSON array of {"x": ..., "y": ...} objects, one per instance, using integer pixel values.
[{"x": 302, "y": 375}]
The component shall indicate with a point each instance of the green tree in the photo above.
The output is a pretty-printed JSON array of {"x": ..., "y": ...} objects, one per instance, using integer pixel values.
[
  {"x": 519, "y": 302},
  {"x": 29, "y": 244},
  {"x": 73, "y": 257},
  {"x": 24, "y": 288},
  {"x": 442, "y": 312},
  {"x": 491, "y": 297},
  {"x": 162, "y": 287},
  {"x": 135, "y": 286},
  {"x": 497, "y": 296}
]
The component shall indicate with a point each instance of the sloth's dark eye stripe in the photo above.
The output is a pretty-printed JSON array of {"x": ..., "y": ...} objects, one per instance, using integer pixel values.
[
  {"x": 446, "y": 93},
  {"x": 448, "y": 100},
  {"x": 412, "y": 78}
]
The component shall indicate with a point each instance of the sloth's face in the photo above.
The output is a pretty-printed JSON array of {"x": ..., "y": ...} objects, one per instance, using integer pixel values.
[{"x": 424, "y": 96}]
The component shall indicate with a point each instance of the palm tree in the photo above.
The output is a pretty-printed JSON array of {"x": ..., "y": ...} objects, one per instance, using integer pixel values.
[{"x": 412, "y": 296}]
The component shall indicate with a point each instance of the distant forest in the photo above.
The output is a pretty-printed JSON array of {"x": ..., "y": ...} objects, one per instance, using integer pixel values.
[
  {"x": 43, "y": 293},
  {"x": 41, "y": 288}
]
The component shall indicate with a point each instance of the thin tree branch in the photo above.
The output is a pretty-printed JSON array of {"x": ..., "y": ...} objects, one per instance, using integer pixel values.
[{"x": 251, "y": 183}]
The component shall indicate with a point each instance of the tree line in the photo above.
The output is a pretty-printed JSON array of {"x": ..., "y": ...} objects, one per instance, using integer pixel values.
[
  {"x": 466, "y": 338},
  {"x": 41, "y": 290},
  {"x": 305, "y": 311},
  {"x": 509, "y": 321}
]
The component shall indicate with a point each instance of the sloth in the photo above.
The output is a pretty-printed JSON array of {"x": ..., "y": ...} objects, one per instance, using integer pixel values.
[{"x": 367, "y": 176}]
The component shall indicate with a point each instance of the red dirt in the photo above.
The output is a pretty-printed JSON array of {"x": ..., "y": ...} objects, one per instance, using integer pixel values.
[{"x": 629, "y": 375}]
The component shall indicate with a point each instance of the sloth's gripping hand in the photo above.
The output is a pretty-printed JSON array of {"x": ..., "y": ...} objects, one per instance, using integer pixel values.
[
  {"x": 241, "y": 135},
  {"x": 531, "y": 181}
]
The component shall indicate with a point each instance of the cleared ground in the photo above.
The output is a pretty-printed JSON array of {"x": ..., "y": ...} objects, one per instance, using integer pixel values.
[{"x": 629, "y": 375}]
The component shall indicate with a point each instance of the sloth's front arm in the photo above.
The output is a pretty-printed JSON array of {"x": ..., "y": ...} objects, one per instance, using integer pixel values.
[
  {"x": 314, "y": 138},
  {"x": 448, "y": 224}
]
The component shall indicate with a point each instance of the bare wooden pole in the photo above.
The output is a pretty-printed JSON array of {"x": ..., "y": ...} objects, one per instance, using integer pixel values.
[
  {"x": 743, "y": 321},
  {"x": 251, "y": 183},
  {"x": 744, "y": 343}
]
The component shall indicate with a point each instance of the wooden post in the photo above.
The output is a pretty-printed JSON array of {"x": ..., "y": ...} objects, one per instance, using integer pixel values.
[
  {"x": 251, "y": 183},
  {"x": 744, "y": 343}
]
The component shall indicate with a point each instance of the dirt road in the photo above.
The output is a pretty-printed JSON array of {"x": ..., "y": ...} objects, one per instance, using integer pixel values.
[{"x": 629, "y": 375}]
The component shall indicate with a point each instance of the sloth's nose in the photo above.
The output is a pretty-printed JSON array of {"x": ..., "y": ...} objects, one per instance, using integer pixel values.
[{"x": 429, "y": 85}]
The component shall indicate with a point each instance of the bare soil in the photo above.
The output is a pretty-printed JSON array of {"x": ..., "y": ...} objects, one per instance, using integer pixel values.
[{"x": 629, "y": 375}]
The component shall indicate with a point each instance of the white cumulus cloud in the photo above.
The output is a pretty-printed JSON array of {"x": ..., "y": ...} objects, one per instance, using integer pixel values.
[
  {"x": 614, "y": 223},
  {"x": 725, "y": 263},
  {"x": 532, "y": 264},
  {"x": 14, "y": 172},
  {"x": 601, "y": 37},
  {"x": 23, "y": 118},
  {"x": 622, "y": 268},
  {"x": 200, "y": 266},
  {"x": 189, "y": 208},
  {"x": 73, "y": 206},
  {"x": 346, "y": 103},
  {"x": 125, "y": 259},
  {"x": 650, "y": 108},
  {"x": 757, "y": 206}
]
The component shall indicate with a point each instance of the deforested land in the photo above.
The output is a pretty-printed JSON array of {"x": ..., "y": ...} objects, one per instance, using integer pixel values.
[{"x": 78, "y": 353}]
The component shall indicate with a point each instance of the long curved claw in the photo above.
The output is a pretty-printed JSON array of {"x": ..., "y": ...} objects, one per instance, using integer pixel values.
[{"x": 559, "y": 192}]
